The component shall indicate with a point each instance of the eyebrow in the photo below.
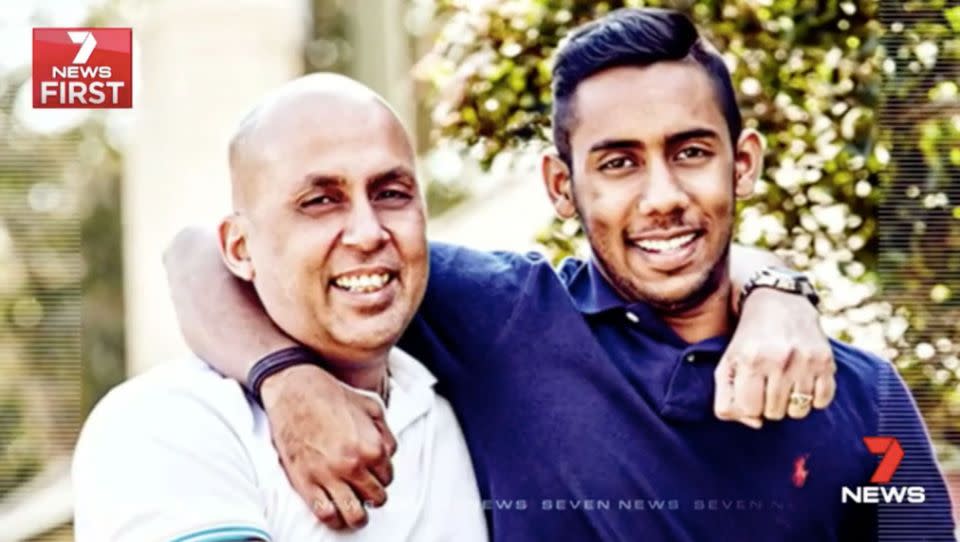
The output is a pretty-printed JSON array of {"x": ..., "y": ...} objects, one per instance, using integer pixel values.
[
  {"x": 672, "y": 139},
  {"x": 320, "y": 180},
  {"x": 393, "y": 174},
  {"x": 696, "y": 133}
]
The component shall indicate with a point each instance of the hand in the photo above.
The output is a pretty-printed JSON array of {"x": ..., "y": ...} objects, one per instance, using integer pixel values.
[
  {"x": 777, "y": 349},
  {"x": 333, "y": 443}
]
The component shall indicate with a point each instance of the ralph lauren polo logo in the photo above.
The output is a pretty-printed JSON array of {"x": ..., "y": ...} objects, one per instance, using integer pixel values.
[{"x": 800, "y": 471}]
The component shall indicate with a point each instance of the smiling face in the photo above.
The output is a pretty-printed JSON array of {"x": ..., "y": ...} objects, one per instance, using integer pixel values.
[
  {"x": 331, "y": 224},
  {"x": 655, "y": 178}
]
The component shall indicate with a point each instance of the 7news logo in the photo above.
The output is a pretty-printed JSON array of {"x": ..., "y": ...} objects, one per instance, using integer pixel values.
[
  {"x": 82, "y": 68},
  {"x": 892, "y": 452}
]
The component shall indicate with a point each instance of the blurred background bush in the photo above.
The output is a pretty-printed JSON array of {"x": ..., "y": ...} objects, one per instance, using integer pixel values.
[{"x": 858, "y": 101}]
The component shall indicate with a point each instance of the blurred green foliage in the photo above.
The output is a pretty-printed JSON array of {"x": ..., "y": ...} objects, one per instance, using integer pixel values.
[
  {"x": 61, "y": 287},
  {"x": 858, "y": 102},
  {"x": 62, "y": 272}
]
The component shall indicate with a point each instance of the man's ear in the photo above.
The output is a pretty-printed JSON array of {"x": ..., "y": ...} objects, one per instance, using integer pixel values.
[
  {"x": 557, "y": 179},
  {"x": 233, "y": 246},
  {"x": 748, "y": 162}
]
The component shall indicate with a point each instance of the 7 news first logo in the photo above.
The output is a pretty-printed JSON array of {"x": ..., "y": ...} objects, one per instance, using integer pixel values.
[
  {"x": 82, "y": 68},
  {"x": 892, "y": 452}
]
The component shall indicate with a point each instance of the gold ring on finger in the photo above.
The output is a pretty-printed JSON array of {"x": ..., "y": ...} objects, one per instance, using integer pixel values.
[{"x": 800, "y": 400}]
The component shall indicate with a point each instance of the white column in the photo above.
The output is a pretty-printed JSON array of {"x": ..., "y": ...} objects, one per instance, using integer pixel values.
[
  {"x": 201, "y": 64},
  {"x": 382, "y": 53}
]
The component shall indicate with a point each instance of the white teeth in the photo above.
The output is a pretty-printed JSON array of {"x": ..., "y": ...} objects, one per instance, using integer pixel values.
[
  {"x": 363, "y": 283},
  {"x": 666, "y": 245}
]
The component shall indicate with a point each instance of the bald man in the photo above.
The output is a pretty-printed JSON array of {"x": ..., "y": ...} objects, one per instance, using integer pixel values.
[{"x": 328, "y": 229}]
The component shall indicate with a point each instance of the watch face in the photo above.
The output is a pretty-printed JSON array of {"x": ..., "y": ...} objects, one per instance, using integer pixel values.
[
  {"x": 785, "y": 280},
  {"x": 785, "y": 272},
  {"x": 788, "y": 283}
]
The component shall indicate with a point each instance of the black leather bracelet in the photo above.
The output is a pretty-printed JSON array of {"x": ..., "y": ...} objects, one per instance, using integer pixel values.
[{"x": 275, "y": 362}]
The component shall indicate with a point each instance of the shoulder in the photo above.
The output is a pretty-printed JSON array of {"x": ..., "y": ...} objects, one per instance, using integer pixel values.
[
  {"x": 474, "y": 298},
  {"x": 856, "y": 362},
  {"x": 455, "y": 265},
  {"x": 178, "y": 383},
  {"x": 481, "y": 289},
  {"x": 857, "y": 367},
  {"x": 569, "y": 268},
  {"x": 167, "y": 452},
  {"x": 866, "y": 377},
  {"x": 173, "y": 402}
]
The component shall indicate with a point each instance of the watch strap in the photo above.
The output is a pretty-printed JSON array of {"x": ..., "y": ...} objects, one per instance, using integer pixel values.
[{"x": 784, "y": 280}]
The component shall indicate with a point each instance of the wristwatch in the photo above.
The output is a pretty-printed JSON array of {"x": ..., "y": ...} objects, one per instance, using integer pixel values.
[{"x": 785, "y": 280}]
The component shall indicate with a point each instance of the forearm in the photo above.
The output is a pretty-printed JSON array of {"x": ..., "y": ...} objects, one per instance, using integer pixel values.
[{"x": 220, "y": 316}]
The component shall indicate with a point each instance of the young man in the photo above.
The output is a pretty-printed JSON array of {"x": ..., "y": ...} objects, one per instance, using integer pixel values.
[
  {"x": 329, "y": 229},
  {"x": 585, "y": 393}
]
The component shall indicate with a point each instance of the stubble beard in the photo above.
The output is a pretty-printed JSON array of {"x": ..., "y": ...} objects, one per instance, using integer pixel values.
[{"x": 706, "y": 285}]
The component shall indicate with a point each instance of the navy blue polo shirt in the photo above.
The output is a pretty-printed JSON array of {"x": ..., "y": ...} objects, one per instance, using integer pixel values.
[{"x": 588, "y": 418}]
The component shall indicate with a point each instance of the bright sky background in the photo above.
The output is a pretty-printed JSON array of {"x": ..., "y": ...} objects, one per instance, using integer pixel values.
[{"x": 18, "y": 17}]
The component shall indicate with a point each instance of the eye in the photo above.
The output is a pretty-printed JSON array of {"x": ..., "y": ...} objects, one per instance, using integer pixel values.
[
  {"x": 324, "y": 199},
  {"x": 690, "y": 153},
  {"x": 620, "y": 162},
  {"x": 392, "y": 194}
]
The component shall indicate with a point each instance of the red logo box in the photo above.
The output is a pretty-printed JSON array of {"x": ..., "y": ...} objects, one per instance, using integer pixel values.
[{"x": 82, "y": 68}]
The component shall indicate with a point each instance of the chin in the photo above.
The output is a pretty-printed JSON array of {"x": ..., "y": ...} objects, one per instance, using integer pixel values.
[
  {"x": 368, "y": 335},
  {"x": 668, "y": 293}
]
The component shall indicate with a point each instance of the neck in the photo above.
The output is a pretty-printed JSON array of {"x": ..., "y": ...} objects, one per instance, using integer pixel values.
[
  {"x": 367, "y": 375},
  {"x": 705, "y": 320}
]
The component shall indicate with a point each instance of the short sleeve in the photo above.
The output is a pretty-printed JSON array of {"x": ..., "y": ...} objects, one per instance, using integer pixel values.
[{"x": 160, "y": 464}]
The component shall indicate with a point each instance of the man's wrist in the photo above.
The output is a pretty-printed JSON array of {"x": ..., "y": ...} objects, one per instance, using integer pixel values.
[
  {"x": 779, "y": 279},
  {"x": 288, "y": 385},
  {"x": 275, "y": 363}
]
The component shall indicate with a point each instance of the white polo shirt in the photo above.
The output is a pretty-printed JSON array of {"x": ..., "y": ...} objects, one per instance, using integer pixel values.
[{"x": 182, "y": 454}]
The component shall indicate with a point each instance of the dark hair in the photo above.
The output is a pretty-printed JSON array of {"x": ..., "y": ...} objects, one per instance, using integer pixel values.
[{"x": 633, "y": 37}]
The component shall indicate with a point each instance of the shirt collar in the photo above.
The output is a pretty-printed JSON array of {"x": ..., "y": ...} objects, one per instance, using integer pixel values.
[
  {"x": 593, "y": 295},
  {"x": 411, "y": 391},
  {"x": 590, "y": 291},
  {"x": 689, "y": 392}
]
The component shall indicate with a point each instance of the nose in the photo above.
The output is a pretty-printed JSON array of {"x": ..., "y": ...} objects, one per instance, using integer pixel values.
[
  {"x": 664, "y": 194},
  {"x": 363, "y": 230}
]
